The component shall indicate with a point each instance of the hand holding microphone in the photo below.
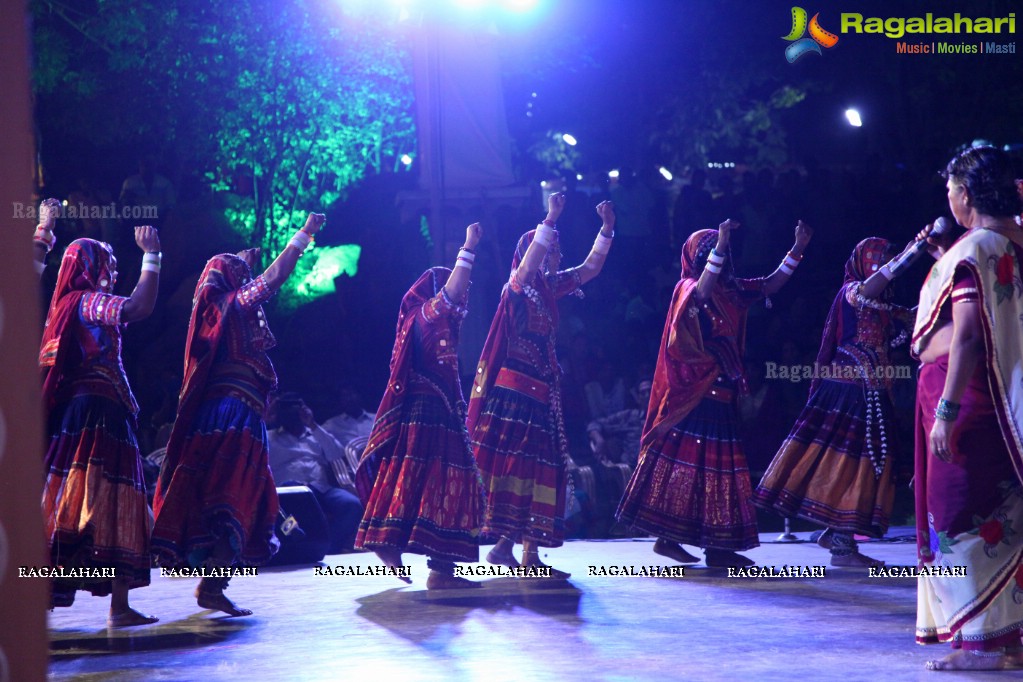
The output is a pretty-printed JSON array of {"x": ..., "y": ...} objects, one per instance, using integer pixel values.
[{"x": 896, "y": 266}]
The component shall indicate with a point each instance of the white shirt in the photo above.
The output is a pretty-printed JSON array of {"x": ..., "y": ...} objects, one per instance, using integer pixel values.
[{"x": 305, "y": 458}]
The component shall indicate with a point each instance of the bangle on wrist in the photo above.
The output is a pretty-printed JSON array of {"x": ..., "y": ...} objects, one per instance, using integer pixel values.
[
  {"x": 713, "y": 268},
  {"x": 715, "y": 257},
  {"x": 794, "y": 256},
  {"x": 946, "y": 410},
  {"x": 151, "y": 261},
  {"x": 545, "y": 234},
  {"x": 886, "y": 271},
  {"x": 602, "y": 244},
  {"x": 549, "y": 223},
  {"x": 465, "y": 259},
  {"x": 300, "y": 241}
]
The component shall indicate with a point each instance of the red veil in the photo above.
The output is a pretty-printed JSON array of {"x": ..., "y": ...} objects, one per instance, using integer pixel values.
[
  {"x": 495, "y": 349},
  {"x": 686, "y": 369},
  {"x": 86, "y": 264},
  {"x": 215, "y": 295},
  {"x": 388, "y": 421},
  {"x": 865, "y": 260}
]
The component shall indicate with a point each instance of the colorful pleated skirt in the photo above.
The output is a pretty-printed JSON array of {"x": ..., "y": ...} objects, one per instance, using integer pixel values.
[
  {"x": 692, "y": 485},
  {"x": 427, "y": 497},
  {"x": 94, "y": 499},
  {"x": 220, "y": 486},
  {"x": 523, "y": 471},
  {"x": 823, "y": 471}
]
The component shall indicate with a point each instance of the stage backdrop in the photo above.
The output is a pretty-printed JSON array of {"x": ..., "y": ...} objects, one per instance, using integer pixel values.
[{"x": 22, "y": 600}]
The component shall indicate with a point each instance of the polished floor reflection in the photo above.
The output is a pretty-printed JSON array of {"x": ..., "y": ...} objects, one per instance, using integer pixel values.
[{"x": 703, "y": 626}]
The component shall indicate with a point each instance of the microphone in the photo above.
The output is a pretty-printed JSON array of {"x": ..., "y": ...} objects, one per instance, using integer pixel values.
[{"x": 900, "y": 263}]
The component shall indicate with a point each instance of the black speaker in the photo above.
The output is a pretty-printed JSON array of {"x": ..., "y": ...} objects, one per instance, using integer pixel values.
[{"x": 301, "y": 528}]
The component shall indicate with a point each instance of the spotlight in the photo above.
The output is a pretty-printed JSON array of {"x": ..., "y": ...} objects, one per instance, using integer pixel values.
[
  {"x": 520, "y": 5},
  {"x": 406, "y": 159},
  {"x": 569, "y": 139},
  {"x": 853, "y": 116},
  {"x": 613, "y": 174},
  {"x": 665, "y": 173}
]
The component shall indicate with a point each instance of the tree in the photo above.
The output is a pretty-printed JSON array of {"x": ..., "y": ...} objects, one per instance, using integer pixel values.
[{"x": 304, "y": 100}]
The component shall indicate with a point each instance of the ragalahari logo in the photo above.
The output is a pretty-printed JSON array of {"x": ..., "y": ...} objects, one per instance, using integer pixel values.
[{"x": 800, "y": 45}]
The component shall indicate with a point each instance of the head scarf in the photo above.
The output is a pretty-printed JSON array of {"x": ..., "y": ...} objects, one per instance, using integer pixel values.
[
  {"x": 388, "y": 422},
  {"x": 87, "y": 266},
  {"x": 866, "y": 259},
  {"x": 685, "y": 368}
]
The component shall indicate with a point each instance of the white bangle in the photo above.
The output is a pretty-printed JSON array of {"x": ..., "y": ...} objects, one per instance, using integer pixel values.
[
  {"x": 786, "y": 268},
  {"x": 151, "y": 267},
  {"x": 465, "y": 259},
  {"x": 155, "y": 258},
  {"x": 715, "y": 257},
  {"x": 886, "y": 271},
  {"x": 791, "y": 262},
  {"x": 602, "y": 244},
  {"x": 300, "y": 241},
  {"x": 545, "y": 235},
  {"x": 713, "y": 268}
]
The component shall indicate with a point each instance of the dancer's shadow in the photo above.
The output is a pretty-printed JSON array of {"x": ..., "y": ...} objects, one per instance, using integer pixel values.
[
  {"x": 196, "y": 631},
  {"x": 421, "y": 615}
]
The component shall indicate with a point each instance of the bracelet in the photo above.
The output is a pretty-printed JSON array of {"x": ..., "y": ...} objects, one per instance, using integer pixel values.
[
  {"x": 886, "y": 271},
  {"x": 794, "y": 256},
  {"x": 545, "y": 234},
  {"x": 300, "y": 241},
  {"x": 45, "y": 238},
  {"x": 465, "y": 259},
  {"x": 602, "y": 244},
  {"x": 784, "y": 267},
  {"x": 713, "y": 268},
  {"x": 155, "y": 257},
  {"x": 466, "y": 248},
  {"x": 715, "y": 257},
  {"x": 946, "y": 410},
  {"x": 790, "y": 261},
  {"x": 550, "y": 223}
]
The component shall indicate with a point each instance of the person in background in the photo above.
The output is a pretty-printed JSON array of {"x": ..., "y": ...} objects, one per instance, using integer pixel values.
[{"x": 303, "y": 453}]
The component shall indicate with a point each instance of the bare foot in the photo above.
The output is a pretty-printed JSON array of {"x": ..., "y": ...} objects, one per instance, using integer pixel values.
[
  {"x": 502, "y": 558},
  {"x": 856, "y": 560},
  {"x": 555, "y": 574},
  {"x": 726, "y": 558},
  {"x": 442, "y": 581},
  {"x": 392, "y": 558},
  {"x": 972, "y": 660},
  {"x": 219, "y": 602},
  {"x": 126, "y": 619},
  {"x": 673, "y": 550}
]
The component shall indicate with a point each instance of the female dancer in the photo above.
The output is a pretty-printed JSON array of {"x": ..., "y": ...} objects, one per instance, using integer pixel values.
[
  {"x": 417, "y": 478},
  {"x": 94, "y": 497},
  {"x": 515, "y": 421},
  {"x": 215, "y": 501},
  {"x": 834, "y": 468},
  {"x": 691, "y": 484}
]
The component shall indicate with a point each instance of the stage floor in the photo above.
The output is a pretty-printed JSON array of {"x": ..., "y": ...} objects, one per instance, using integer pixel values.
[{"x": 703, "y": 626}]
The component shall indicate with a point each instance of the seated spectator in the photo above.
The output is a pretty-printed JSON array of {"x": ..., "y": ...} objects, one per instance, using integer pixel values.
[
  {"x": 303, "y": 453},
  {"x": 353, "y": 422}
]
